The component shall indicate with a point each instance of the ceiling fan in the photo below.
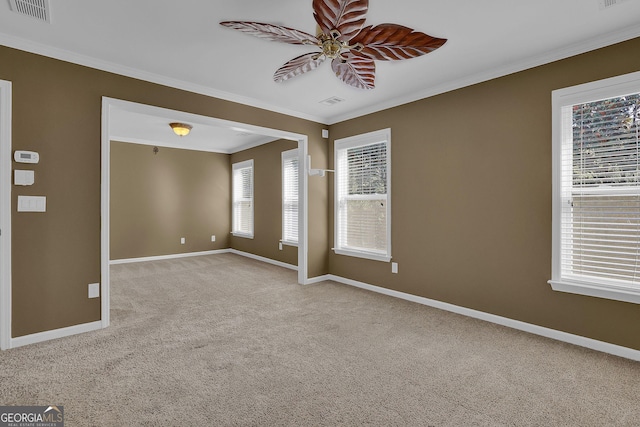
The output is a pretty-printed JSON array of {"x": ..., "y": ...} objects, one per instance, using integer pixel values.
[{"x": 343, "y": 38}]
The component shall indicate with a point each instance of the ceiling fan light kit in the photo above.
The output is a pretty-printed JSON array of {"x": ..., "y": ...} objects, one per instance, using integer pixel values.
[{"x": 343, "y": 38}]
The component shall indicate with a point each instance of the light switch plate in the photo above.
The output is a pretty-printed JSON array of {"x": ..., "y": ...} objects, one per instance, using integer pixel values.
[
  {"x": 22, "y": 177},
  {"x": 394, "y": 267},
  {"x": 32, "y": 203}
]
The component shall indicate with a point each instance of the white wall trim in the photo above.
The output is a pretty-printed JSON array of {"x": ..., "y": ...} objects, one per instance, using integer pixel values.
[
  {"x": 105, "y": 212},
  {"x": 5, "y": 214},
  {"x": 112, "y": 67},
  {"x": 215, "y": 252},
  {"x": 613, "y": 37},
  {"x": 55, "y": 334},
  {"x": 303, "y": 218},
  {"x": 584, "y": 46},
  {"x": 562, "y": 277},
  {"x": 578, "y": 340},
  {"x": 318, "y": 279},
  {"x": 263, "y": 259},
  {"x": 303, "y": 211},
  {"x": 166, "y": 257},
  {"x": 595, "y": 290}
]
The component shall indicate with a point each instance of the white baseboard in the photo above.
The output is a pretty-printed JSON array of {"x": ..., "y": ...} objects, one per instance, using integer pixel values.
[
  {"x": 578, "y": 340},
  {"x": 214, "y": 252},
  {"x": 318, "y": 279},
  {"x": 263, "y": 259},
  {"x": 54, "y": 334},
  {"x": 164, "y": 257}
]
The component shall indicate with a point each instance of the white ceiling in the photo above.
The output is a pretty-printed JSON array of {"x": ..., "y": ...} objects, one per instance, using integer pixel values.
[
  {"x": 144, "y": 124},
  {"x": 181, "y": 44}
]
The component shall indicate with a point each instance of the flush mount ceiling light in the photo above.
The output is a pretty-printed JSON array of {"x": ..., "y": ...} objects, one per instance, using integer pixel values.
[
  {"x": 181, "y": 129},
  {"x": 342, "y": 37}
]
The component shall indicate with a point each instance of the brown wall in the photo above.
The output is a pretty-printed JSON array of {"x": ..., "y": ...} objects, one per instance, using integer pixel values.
[
  {"x": 267, "y": 199},
  {"x": 158, "y": 198},
  {"x": 471, "y": 199},
  {"x": 471, "y": 186},
  {"x": 57, "y": 112}
]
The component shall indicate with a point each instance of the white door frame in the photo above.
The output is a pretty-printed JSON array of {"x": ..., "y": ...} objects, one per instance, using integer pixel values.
[
  {"x": 5, "y": 214},
  {"x": 303, "y": 202}
]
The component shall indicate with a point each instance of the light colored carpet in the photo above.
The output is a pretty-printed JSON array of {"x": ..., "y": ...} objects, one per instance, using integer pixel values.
[{"x": 228, "y": 341}]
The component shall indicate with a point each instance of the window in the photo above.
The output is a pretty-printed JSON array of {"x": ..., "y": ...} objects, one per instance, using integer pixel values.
[
  {"x": 362, "y": 196},
  {"x": 290, "y": 197},
  {"x": 242, "y": 218},
  {"x": 596, "y": 201}
]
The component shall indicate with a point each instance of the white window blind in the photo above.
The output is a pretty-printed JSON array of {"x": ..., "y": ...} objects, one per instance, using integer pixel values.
[
  {"x": 362, "y": 189},
  {"x": 290, "y": 197},
  {"x": 599, "y": 196},
  {"x": 242, "y": 219}
]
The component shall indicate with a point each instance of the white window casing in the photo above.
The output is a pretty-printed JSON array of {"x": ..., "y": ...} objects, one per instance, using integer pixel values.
[
  {"x": 363, "y": 196},
  {"x": 242, "y": 204},
  {"x": 596, "y": 189},
  {"x": 290, "y": 197}
]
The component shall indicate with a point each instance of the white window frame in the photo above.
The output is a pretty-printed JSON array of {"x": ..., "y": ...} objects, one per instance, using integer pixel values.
[
  {"x": 288, "y": 156},
  {"x": 567, "y": 97},
  {"x": 236, "y": 168},
  {"x": 383, "y": 135}
]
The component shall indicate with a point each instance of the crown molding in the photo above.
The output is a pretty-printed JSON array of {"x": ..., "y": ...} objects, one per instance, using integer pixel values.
[
  {"x": 584, "y": 46},
  {"x": 111, "y": 67},
  {"x": 594, "y": 43}
]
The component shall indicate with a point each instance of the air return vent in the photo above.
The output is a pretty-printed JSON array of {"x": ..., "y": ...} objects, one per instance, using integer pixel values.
[
  {"x": 38, "y": 9},
  {"x": 332, "y": 101},
  {"x": 605, "y": 4}
]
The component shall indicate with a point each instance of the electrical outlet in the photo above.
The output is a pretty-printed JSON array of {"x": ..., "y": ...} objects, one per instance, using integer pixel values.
[
  {"x": 213, "y": 238},
  {"x": 394, "y": 267},
  {"x": 94, "y": 290},
  {"x": 280, "y": 245},
  {"x": 182, "y": 240}
]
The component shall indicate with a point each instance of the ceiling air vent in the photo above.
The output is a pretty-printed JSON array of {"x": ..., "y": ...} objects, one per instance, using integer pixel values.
[
  {"x": 604, "y": 4},
  {"x": 332, "y": 101},
  {"x": 38, "y": 9}
]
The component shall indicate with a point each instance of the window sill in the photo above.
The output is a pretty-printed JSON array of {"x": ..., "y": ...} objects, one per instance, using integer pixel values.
[
  {"x": 617, "y": 293},
  {"x": 243, "y": 235},
  {"x": 289, "y": 243},
  {"x": 366, "y": 255}
]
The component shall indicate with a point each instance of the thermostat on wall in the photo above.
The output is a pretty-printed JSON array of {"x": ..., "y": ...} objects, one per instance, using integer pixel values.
[{"x": 26, "y": 156}]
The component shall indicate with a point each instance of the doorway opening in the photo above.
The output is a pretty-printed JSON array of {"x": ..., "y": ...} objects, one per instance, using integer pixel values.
[{"x": 115, "y": 109}]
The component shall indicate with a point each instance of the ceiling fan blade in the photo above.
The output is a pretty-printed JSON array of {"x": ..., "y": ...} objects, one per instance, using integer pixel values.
[
  {"x": 357, "y": 70},
  {"x": 346, "y": 16},
  {"x": 276, "y": 33},
  {"x": 299, "y": 65},
  {"x": 393, "y": 42}
]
